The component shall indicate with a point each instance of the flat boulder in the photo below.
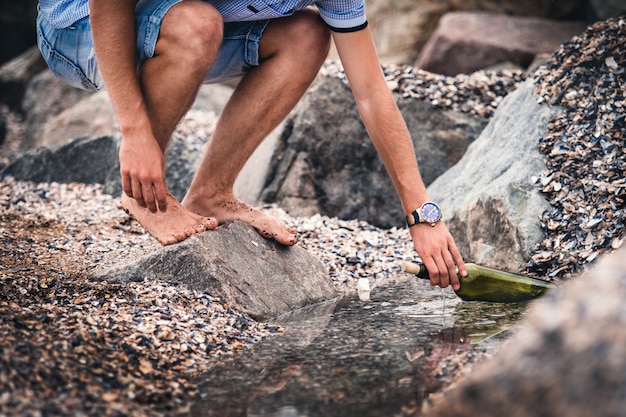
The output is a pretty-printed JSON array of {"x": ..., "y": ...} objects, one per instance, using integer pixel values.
[
  {"x": 465, "y": 42},
  {"x": 246, "y": 271}
]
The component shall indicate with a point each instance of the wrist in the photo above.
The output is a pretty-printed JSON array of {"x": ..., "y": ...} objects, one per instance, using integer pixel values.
[
  {"x": 429, "y": 213},
  {"x": 136, "y": 132}
]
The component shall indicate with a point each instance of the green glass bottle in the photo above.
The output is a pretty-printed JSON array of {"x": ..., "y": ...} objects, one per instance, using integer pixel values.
[{"x": 487, "y": 284}]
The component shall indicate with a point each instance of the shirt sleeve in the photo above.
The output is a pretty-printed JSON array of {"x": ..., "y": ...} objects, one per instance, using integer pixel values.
[{"x": 343, "y": 15}]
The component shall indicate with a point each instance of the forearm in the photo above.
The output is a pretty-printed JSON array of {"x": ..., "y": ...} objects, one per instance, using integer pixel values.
[
  {"x": 114, "y": 34},
  {"x": 383, "y": 121},
  {"x": 388, "y": 131}
]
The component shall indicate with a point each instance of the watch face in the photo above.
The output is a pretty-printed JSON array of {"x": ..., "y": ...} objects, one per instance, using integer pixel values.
[{"x": 431, "y": 212}]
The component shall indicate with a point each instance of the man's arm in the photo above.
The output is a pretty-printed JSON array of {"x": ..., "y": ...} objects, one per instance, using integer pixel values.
[
  {"x": 387, "y": 129},
  {"x": 142, "y": 163}
]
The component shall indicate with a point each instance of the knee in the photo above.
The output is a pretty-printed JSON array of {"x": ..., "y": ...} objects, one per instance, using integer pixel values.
[
  {"x": 192, "y": 31},
  {"x": 311, "y": 34}
]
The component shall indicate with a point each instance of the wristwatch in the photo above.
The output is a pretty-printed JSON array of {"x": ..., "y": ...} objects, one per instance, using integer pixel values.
[{"x": 429, "y": 212}]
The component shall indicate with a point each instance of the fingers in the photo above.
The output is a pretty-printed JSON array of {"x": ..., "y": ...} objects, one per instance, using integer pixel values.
[
  {"x": 440, "y": 255},
  {"x": 137, "y": 192},
  {"x": 127, "y": 185},
  {"x": 148, "y": 196},
  {"x": 160, "y": 193},
  {"x": 457, "y": 260},
  {"x": 147, "y": 193},
  {"x": 142, "y": 169}
]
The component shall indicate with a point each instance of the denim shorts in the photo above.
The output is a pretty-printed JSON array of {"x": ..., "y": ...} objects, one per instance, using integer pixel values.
[{"x": 70, "y": 55}]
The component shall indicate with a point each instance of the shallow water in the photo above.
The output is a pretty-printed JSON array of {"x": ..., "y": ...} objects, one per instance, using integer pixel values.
[{"x": 355, "y": 357}]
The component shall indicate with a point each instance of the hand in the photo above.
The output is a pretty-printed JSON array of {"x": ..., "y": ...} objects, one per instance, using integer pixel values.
[
  {"x": 439, "y": 253},
  {"x": 142, "y": 168}
]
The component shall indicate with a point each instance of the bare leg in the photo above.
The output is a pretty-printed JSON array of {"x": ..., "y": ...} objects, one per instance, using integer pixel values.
[
  {"x": 292, "y": 51},
  {"x": 169, "y": 89}
]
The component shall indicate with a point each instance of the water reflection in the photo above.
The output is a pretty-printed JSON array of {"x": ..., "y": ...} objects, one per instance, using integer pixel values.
[{"x": 380, "y": 357}]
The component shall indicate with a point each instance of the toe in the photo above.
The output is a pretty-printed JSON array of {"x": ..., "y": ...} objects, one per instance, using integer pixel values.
[
  {"x": 180, "y": 236},
  {"x": 197, "y": 229},
  {"x": 167, "y": 240},
  {"x": 210, "y": 223},
  {"x": 267, "y": 234},
  {"x": 287, "y": 238}
]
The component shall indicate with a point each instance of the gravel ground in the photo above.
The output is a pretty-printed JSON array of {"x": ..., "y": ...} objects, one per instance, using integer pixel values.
[
  {"x": 74, "y": 347},
  {"x": 79, "y": 348}
]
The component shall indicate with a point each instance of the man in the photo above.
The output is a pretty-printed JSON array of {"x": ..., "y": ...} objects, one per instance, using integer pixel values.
[{"x": 153, "y": 55}]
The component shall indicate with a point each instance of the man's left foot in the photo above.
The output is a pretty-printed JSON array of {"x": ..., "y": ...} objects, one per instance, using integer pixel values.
[{"x": 173, "y": 225}]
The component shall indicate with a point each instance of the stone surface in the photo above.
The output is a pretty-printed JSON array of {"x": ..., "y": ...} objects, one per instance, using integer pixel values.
[
  {"x": 325, "y": 162},
  {"x": 212, "y": 98},
  {"x": 488, "y": 201},
  {"x": 84, "y": 152},
  {"x": 92, "y": 116},
  {"x": 468, "y": 41},
  {"x": 46, "y": 96},
  {"x": 254, "y": 275},
  {"x": 3, "y": 126},
  {"x": 251, "y": 180},
  {"x": 567, "y": 358},
  {"x": 83, "y": 160},
  {"x": 15, "y": 75}
]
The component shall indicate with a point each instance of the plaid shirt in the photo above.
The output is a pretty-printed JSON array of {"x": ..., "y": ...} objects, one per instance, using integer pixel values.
[{"x": 340, "y": 15}]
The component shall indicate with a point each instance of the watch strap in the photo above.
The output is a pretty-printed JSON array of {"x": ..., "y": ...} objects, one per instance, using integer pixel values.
[{"x": 413, "y": 218}]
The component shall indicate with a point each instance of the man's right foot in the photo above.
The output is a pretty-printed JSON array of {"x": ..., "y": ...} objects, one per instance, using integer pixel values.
[
  {"x": 231, "y": 209},
  {"x": 173, "y": 225}
]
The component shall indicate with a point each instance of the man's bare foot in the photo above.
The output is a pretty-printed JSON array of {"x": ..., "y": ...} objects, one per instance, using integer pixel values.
[
  {"x": 173, "y": 225},
  {"x": 231, "y": 209}
]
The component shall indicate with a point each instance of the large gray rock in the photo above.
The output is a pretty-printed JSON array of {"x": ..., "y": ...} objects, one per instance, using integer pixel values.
[
  {"x": 95, "y": 160},
  {"x": 488, "y": 201},
  {"x": 84, "y": 160},
  {"x": 251, "y": 180},
  {"x": 16, "y": 74},
  {"x": 45, "y": 97},
  {"x": 248, "y": 272},
  {"x": 92, "y": 116},
  {"x": 465, "y": 42},
  {"x": 566, "y": 359},
  {"x": 325, "y": 162},
  {"x": 3, "y": 128}
]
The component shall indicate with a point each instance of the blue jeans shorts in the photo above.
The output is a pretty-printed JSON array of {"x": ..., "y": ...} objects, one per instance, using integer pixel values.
[{"x": 70, "y": 55}]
